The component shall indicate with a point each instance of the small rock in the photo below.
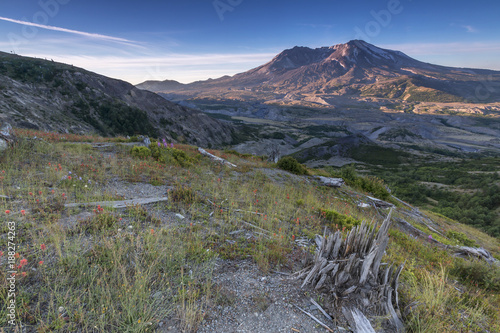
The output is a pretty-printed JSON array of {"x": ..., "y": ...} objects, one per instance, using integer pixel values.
[{"x": 179, "y": 216}]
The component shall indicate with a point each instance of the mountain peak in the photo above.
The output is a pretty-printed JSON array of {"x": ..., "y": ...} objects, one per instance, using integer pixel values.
[
  {"x": 366, "y": 54},
  {"x": 353, "y": 68}
]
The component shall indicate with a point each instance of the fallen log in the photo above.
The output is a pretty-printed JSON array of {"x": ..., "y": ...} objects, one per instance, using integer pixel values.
[
  {"x": 380, "y": 203},
  {"x": 215, "y": 158},
  {"x": 476, "y": 252},
  {"x": 117, "y": 204},
  {"x": 330, "y": 182}
]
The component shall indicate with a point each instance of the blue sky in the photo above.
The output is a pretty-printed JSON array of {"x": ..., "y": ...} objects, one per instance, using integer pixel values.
[{"x": 199, "y": 39}]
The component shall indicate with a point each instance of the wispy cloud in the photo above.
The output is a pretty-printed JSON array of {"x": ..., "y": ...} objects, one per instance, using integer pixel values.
[
  {"x": 182, "y": 67},
  {"x": 76, "y": 32},
  {"x": 167, "y": 60},
  {"x": 469, "y": 28}
]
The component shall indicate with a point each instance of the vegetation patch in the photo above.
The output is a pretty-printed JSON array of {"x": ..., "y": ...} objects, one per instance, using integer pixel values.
[
  {"x": 140, "y": 152},
  {"x": 461, "y": 238},
  {"x": 290, "y": 164},
  {"x": 167, "y": 154},
  {"x": 339, "y": 221},
  {"x": 377, "y": 155},
  {"x": 127, "y": 270},
  {"x": 471, "y": 194},
  {"x": 183, "y": 194},
  {"x": 478, "y": 273},
  {"x": 370, "y": 184}
]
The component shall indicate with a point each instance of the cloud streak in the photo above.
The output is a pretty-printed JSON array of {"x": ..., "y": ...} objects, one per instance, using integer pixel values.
[
  {"x": 75, "y": 32},
  {"x": 469, "y": 28},
  {"x": 195, "y": 60},
  {"x": 182, "y": 67}
]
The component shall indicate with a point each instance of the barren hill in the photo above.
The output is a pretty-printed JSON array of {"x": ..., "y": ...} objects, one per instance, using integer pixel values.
[{"x": 53, "y": 96}]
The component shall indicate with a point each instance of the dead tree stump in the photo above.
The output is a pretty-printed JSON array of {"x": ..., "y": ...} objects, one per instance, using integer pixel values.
[{"x": 350, "y": 269}]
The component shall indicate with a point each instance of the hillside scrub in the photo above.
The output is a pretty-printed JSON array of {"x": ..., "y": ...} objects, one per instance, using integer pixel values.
[
  {"x": 468, "y": 192},
  {"x": 290, "y": 164},
  {"x": 136, "y": 268},
  {"x": 169, "y": 155},
  {"x": 369, "y": 184}
]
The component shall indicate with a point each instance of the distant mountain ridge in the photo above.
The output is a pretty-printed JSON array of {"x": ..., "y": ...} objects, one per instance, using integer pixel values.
[
  {"x": 53, "y": 96},
  {"x": 153, "y": 85},
  {"x": 356, "y": 68}
]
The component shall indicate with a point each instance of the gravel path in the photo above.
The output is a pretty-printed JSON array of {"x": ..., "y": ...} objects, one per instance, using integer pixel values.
[{"x": 261, "y": 302}]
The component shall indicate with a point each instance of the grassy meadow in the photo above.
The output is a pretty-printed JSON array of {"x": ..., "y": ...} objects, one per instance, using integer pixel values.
[{"x": 92, "y": 268}]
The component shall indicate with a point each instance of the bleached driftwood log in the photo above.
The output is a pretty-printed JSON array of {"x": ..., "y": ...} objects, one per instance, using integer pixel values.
[
  {"x": 476, "y": 252},
  {"x": 331, "y": 182},
  {"x": 216, "y": 158},
  {"x": 118, "y": 204},
  {"x": 351, "y": 268},
  {"x": 380, "y": 203}
]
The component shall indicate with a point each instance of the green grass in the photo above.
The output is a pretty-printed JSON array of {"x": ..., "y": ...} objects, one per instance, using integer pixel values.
[{"x": 123, "y": 270}]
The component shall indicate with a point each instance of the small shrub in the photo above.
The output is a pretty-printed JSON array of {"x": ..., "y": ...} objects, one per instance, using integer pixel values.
[
  {"x": 290, "y": 164},
  {"x": 370, "y": 184},
  {"x": 169, "y": 155},
  {"x": 460, "y": 238},
  {"x": 101, "y": 222},
  {"x": 179, "y": 156},
  {"x": 478, "y": 273},
  {"x": 140, "y": 152},
  {"x": 183, "y": 194},
  {"x": 339, "y": 219}
]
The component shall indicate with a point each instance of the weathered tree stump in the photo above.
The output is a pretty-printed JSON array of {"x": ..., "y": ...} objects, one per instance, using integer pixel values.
[
  {"x": 350, "y": 268},
  {"x": 7, "y": 137}
]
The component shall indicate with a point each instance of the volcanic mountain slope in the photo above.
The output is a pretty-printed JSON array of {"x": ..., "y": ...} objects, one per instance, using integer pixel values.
[
  {"x": 356, "y": 68},
  {"x": 43, "y": 94}
]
